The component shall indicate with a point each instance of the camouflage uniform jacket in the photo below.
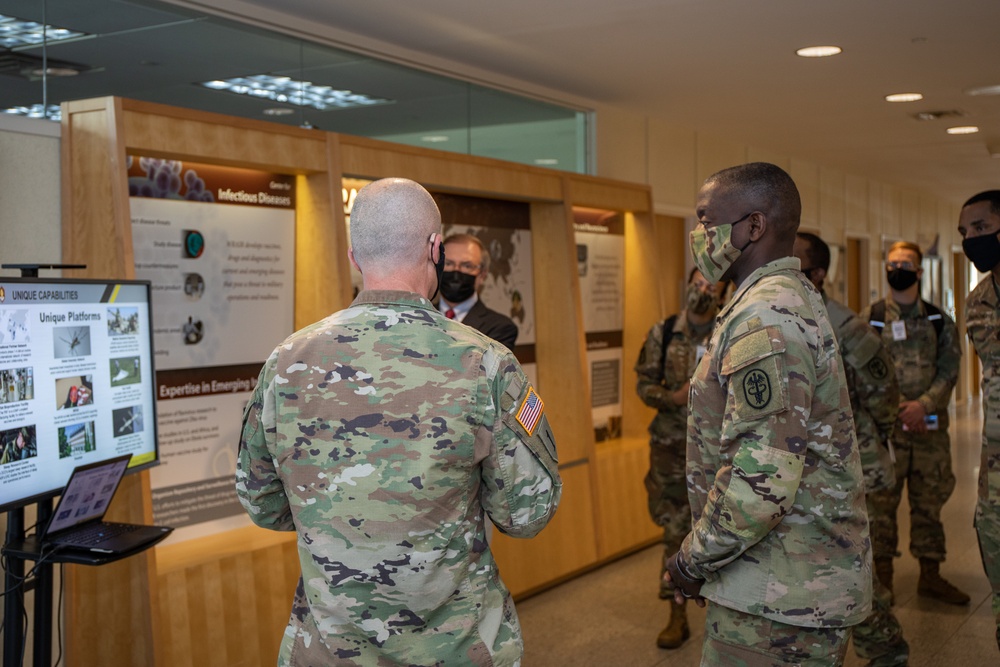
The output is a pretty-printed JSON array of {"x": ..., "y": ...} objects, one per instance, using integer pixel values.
[
  {"x": 780, "y": 528},
  {"x": 382, "y": 434},
  {"x": 926, "y": 364},
  {"x": 982, "y": 316},
  {"x": 874, "y": 392},
  {"x": 660, "y": 375}
]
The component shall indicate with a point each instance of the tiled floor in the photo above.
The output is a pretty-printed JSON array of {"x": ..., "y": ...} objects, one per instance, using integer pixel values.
[{"x": 610, "y": 617}]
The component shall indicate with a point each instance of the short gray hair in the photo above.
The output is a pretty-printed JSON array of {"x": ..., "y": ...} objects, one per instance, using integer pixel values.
[{"x": 391, "y": 222}]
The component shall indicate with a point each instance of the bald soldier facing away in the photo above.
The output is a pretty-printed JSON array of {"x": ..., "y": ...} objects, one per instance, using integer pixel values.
[
  {"x": 779, "y": 540},
  {"x": 384, "y": 435}
]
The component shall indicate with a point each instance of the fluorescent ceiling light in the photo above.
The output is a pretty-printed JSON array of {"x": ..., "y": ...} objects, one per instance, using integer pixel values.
[
  {"x": 546, "y": 160},
  {"x": 963, "y": 129},
  {"x": 904, "y": 97},
  {"x": 15, "y": 32},
  {"x": 289, "y": 91},
  {"x": 434, "y": 138},
  {"x": 984, "y": 90},
  {"x": 278, "y": 111},
  {"x": 37, "y": 111},
  {"x": 818, "y": 51}
]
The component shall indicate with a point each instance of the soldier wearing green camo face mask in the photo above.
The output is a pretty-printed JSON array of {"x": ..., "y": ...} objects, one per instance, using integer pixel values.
[
  {"x": 386, "y": 435},
  {"x": 667, "y": 360},
  {"x": 779, "y": 539}
]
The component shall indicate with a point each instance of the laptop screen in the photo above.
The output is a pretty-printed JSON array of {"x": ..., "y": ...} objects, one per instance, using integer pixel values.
[{"x": 88, "y": 493}]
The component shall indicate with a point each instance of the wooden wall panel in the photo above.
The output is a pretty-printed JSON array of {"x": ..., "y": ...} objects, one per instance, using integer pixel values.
[
  {"x": 226, "y": 598},
  {"x": 566, "y": 546},
  {"x": 856, "y": 205},
  {"x": 322, "y": 270},
  {"x": 560, "y": 346},
  {"x": 643, "y": 308},
  {"x": 673, "y": 165},
  {"x": 619, "y": 471},
  {"x": 832, "y": 187},
  {"x": 806, "y": 177},
  {"x": 183, "y": 134},
  {"x": 448, "y": 172}
]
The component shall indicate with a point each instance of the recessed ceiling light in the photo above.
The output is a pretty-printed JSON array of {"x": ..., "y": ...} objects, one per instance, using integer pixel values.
[
  {"x": 983, "y": 90},
  {"x": 546, "y": 160},
  {"x": 963, "y": 129},
  {"x": 818, "y": 51},
  {"x": 286, "y": 90},
  {"x": 904, "y": 97},
  {"x": 434, "y": 138},
  {"x": 278, "y": 111}
]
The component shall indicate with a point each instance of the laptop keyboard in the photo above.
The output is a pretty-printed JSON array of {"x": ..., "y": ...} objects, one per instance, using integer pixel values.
[{"x": 99, "y": 533}]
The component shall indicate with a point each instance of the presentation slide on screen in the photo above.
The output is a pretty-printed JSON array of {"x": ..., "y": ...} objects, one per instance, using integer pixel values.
[{"x": 75, "y": 381}]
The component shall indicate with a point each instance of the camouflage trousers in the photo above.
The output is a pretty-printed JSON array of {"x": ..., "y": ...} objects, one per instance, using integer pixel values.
[
  {"x": 736, "y": 639},
  {"x": 923, "y": 464},
  {"x": 666, "y": 489},
  {"x": 988, "y": 530},
  {"x": 879, "y": 638}
]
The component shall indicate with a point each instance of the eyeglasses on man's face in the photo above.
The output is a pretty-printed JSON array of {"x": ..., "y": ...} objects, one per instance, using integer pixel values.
[
  {"x": 905, "y": 266},
  {"x": 464, "y": 267}
]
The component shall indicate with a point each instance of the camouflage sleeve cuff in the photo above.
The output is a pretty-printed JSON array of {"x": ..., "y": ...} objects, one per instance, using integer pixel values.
[{"x": 928, "y": 404}]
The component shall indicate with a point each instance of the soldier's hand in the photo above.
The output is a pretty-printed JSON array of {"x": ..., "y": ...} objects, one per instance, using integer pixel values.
[
  {"x": 912, "y": 414},
  {"x": 686, "y": 587},
  {"x": 680, "y": 397}
]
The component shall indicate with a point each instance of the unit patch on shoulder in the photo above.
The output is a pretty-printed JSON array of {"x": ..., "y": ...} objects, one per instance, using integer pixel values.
[
  {"x": 757, "y": 389},
  {"x": 530, "y": 412},
  {"x": 878, "y": 369}
]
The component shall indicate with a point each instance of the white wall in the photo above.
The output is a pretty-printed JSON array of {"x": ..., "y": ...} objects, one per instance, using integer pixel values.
[{"x": 30, "y": 225}]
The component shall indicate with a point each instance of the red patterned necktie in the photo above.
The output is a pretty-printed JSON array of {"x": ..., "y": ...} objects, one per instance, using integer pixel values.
[{"x": 450, "y": 313}]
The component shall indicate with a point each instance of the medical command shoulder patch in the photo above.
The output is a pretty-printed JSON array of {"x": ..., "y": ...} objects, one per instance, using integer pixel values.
[{"x": 530, "y": 412}]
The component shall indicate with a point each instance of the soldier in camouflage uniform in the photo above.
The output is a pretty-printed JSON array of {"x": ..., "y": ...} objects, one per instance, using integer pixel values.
[
  {"x": 925, "y": 348},
  {"x": 874, "y": 392},
  {"x": 979, "y": 224},
  {"x": 666, "y": 363},
  {"x": 386, "y": 435},
  {"x": 779, "y": 542}
]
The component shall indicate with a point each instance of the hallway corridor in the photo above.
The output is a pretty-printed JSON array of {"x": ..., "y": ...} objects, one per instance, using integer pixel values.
[{"x": 610, "y": 617}]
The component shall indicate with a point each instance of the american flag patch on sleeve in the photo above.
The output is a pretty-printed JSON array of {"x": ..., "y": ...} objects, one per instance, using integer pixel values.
[{"x": 530, "y": 412}]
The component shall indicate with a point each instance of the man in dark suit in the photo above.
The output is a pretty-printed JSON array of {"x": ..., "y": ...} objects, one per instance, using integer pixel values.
[{"x": 466, "y": 266}]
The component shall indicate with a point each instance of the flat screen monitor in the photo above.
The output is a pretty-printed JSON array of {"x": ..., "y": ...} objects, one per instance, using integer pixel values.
[{"x": 77, "y": 383}]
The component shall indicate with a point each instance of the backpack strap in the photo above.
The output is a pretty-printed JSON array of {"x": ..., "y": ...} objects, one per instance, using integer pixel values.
[
  {"x": 934, "y": 316},
  {"x": 877, "y": 316},
  {"x": 668, "y": 335}
]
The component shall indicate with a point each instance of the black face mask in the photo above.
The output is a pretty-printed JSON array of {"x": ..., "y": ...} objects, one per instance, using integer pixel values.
[
  {"x": 983, "y": 251},
  {"x": 439, "y": 267},
  {"x": 901, "y": 279},
  {"x": 456, "y": 286}
]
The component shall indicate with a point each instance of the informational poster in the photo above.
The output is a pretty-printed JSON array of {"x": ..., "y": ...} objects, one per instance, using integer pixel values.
[
  {"x": 600, "y": 253},
  {"x": 504, "y": 228},
  {"x": 218, "y": 245}
]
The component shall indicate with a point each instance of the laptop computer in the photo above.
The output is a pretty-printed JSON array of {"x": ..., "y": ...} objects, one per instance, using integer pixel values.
[{"x": 77, "y": 521}]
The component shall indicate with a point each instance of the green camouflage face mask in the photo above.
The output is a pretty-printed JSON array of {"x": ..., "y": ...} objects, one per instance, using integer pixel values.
[
  {"x": 699, "y": 302},
  {"x": 713, "y": 249}
]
